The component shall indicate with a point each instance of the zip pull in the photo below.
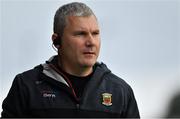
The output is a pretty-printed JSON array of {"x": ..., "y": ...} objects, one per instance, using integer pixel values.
[{"x": 77, "y": 106}]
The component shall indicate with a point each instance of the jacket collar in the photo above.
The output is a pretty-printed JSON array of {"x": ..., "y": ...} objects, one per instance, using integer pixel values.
[{"x": 100, "y": 70}]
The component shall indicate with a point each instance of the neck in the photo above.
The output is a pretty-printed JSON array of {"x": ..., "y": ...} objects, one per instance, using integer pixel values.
[{"x": 80, "y": 71}]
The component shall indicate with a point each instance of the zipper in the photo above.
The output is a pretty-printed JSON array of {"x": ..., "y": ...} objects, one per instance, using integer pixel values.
[{"x": 69, "y": 83}]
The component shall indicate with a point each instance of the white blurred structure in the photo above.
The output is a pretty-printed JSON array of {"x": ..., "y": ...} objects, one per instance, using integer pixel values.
[{"x": 140, "y": 43}]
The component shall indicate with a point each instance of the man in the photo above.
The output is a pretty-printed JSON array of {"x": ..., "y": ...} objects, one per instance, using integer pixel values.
[{"x": 73, "y": 83}]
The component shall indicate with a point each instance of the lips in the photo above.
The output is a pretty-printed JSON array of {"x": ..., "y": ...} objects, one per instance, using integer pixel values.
[{"x": 89, "y": 53}]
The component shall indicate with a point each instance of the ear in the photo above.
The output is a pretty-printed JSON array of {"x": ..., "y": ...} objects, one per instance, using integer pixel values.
[{"x": 56, "y": 40}]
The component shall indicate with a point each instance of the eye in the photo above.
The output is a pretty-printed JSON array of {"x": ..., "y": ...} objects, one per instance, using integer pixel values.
[
  {"x": 95, "y": 33},
  {"x": 80, "y": 33}
]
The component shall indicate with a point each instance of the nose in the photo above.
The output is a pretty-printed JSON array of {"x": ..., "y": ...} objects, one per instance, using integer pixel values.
[{"x": 90, "y": 40}]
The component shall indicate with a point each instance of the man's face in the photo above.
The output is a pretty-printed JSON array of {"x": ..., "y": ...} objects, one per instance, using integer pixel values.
[{"x": 80, "y": 41}]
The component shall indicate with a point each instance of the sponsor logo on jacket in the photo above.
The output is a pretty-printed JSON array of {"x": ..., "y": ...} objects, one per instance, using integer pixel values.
[{"x": 48, "y": 94}]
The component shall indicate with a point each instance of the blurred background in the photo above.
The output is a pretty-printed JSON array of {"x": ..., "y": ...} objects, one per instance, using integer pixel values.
[{"x": 140, "y": 43}]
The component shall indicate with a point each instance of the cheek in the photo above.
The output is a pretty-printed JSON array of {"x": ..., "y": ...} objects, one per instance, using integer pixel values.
[
  {"x": 74, "y": 48},
  {"x": 98, "y": 47},
  {"x": 98, "y": 44},
  {"x": 66, "y": 48}
]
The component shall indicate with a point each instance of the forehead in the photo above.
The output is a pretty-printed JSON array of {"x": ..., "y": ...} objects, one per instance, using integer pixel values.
[{"x": 82, "y": 21}]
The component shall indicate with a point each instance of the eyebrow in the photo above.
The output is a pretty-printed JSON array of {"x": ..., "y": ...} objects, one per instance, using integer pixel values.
[{"x": 84, "y": 29}]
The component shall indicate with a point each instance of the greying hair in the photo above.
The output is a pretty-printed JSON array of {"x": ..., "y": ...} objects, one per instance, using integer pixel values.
[{"x": 71, "y": 9}]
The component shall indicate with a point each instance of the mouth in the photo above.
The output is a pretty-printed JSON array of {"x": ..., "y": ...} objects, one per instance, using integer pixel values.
[{"x": 89, "y": 53}]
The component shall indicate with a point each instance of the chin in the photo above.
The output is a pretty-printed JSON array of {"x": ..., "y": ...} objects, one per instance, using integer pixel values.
[{"x": 89, "y": 64}]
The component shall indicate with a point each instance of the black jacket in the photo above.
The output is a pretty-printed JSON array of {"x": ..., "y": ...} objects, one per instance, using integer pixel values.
[{"x": 44, "y": 92}]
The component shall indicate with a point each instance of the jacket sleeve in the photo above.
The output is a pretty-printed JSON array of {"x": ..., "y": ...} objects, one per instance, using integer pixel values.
[
  {"x": 132, "y": 110},
  {"x": 14, "y": 105}
]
